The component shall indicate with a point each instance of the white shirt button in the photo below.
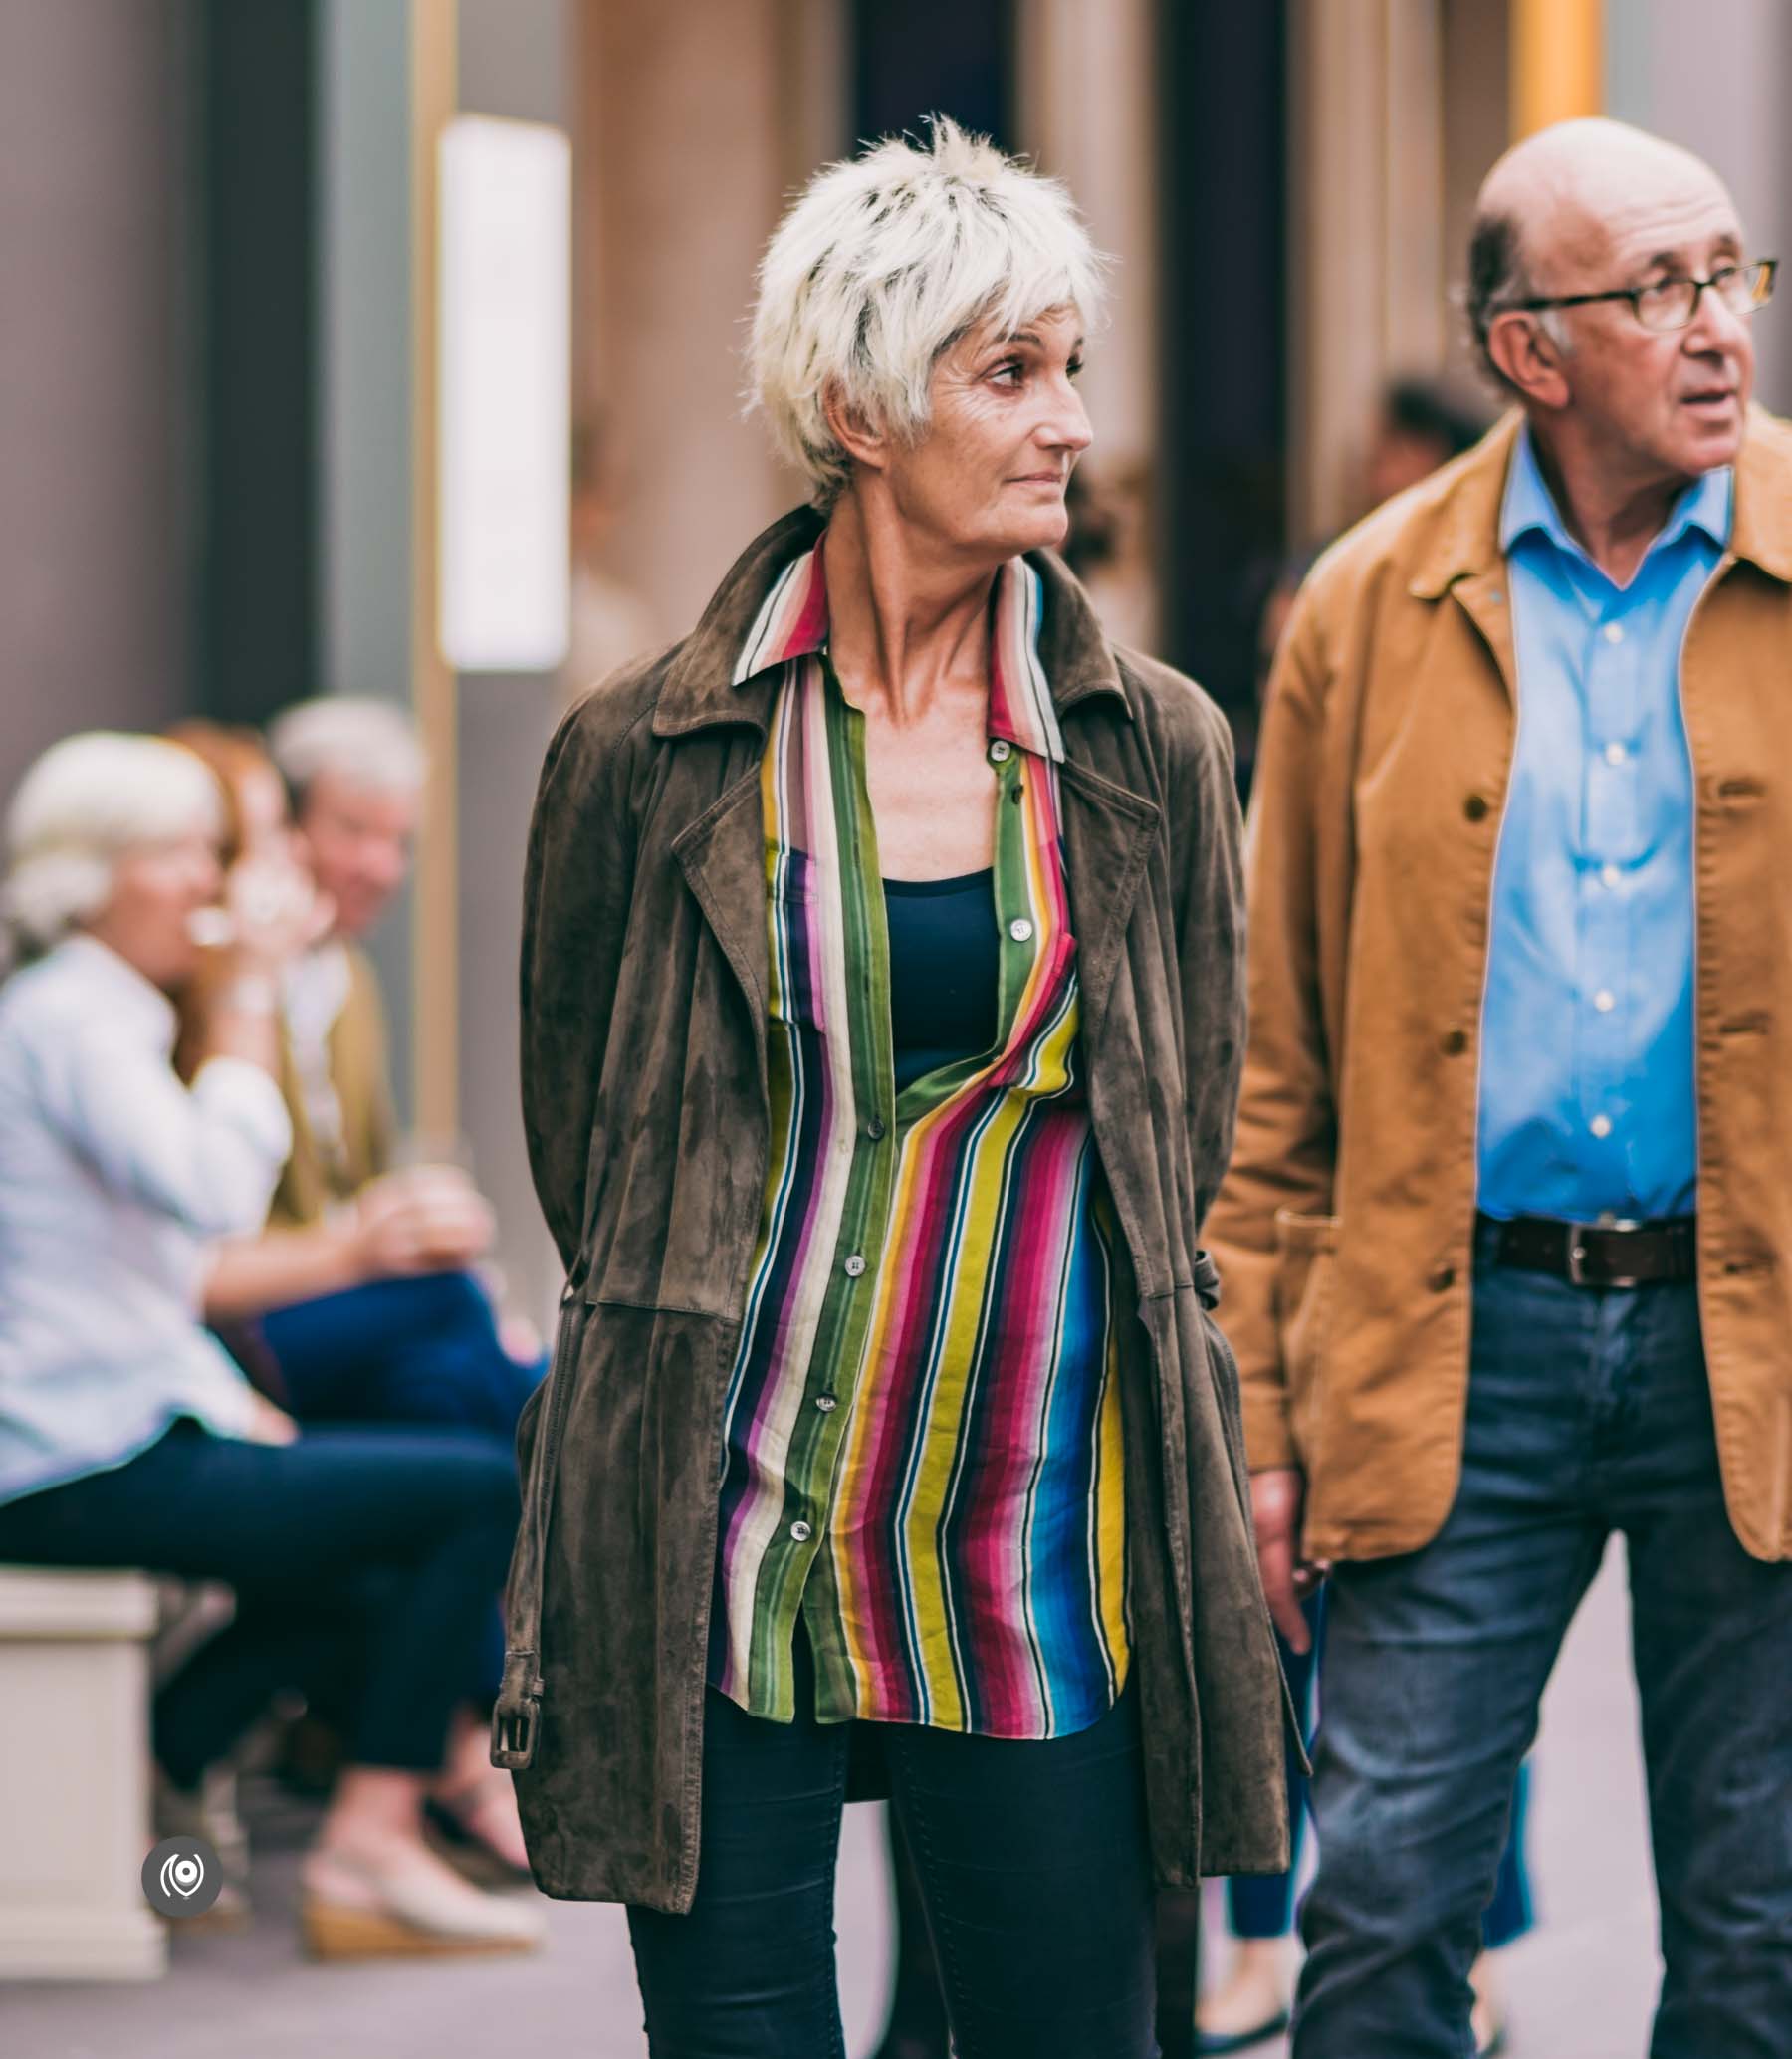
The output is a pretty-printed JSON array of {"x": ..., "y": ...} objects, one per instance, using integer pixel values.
[
  {"x": 1001, "y": 750},
  {"x": 1605, "y": 1001},
  {"x": 1616, "y": 754},
  {"x": 1020, "y": 929},
  {"x": 1609, "y": 875},
  {"x": 1613, "y": 632},
  {"x": 854, "y": 1267},
  {"x": 826, "y": 1404},
  {"x": 801, "y": 1532},
  {"x": 1600, "y": 1125}
]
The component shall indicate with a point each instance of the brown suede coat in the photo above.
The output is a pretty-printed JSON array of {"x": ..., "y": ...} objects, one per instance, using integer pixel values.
[
  {"x": 1346, "y": 1225},
  {"x": 643, "y": 987}
]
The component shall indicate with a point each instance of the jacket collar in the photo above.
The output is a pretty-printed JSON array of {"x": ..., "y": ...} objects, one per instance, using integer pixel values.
[
  {"x": 1458, "y": 529},
  {"x": 767, "y": 611}
]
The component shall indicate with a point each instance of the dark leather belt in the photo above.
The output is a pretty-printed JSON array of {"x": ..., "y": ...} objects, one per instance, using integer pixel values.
[{"x": 1600, "y": 1255}]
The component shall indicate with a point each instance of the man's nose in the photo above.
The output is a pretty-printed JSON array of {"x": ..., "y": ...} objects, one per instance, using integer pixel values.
[{"x": 1716, "y": 326}]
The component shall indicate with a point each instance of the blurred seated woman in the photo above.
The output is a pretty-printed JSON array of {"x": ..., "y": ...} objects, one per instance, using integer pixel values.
[
  {"x": 361, "y": 1290},
  {"x": 128, "y": 1437}
]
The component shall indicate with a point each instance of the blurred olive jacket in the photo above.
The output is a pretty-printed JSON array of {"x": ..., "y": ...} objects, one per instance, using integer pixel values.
[
  {"x": 643, "y": 1052},
  {"x": 1345, "y": 1226}
]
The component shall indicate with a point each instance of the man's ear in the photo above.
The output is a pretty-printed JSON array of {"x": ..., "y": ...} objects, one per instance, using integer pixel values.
[
  {"x": 855, "y": 435},
  {"x": 1530, "y": 357}
]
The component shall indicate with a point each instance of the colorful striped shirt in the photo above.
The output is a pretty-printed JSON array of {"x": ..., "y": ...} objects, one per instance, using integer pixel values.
[{"x": 922, "y": 1436}]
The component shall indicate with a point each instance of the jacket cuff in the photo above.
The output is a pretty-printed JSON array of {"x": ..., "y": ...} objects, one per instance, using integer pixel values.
[{"x": 1268, "y": 1434}]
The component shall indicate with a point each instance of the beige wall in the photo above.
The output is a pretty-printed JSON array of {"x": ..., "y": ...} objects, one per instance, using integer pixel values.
[
  {"x": 695, "y": 118},
  {"x": 93, "y": 508}
]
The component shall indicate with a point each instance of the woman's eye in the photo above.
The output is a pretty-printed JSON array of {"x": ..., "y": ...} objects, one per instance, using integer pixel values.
[
  {"x": 1074, "y": 367},
  {"x": 1012, "y": 370}
]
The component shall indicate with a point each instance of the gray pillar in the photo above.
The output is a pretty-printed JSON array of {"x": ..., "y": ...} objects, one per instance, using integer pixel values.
[{"x": 94, "y": 409}]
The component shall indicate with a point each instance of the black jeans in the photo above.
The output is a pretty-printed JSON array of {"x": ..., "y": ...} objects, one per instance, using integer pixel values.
[
  {"x": 1589, "y": 1412},
  {"x": 397, "y": 1539},
  {"x": 1034, "y": 1867}
]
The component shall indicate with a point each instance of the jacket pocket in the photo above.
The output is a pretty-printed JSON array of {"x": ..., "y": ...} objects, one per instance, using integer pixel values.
[{"x": 1306, "y": 1264}]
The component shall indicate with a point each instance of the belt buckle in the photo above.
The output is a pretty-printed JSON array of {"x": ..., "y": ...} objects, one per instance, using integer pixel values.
[{"x": 1577, "y": 1250}]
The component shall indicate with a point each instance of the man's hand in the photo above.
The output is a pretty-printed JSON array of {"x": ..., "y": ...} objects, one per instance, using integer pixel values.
[
  {"x": 1277, "y": 1500},
  {"x": 431, "y": 1219}
]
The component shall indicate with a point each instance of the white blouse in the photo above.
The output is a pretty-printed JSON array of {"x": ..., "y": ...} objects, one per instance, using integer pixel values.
[{"x": 114, "y": 1178}]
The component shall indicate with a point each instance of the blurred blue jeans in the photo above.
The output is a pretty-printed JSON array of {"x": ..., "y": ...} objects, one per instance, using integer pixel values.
[
  {"x": 422, "y": 1350},
  {"x": 419, "y": 1350},
  {"x": 1589, "y": 1412},
  {"x": 1262, "y": 1904}
]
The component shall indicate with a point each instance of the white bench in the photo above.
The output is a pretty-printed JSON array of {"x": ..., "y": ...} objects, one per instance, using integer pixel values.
[{"x": 75, "y": 1809}]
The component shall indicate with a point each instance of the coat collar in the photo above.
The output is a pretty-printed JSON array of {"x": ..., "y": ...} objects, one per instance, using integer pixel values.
[
  {"x": 726, "y": 671},
  {"x": 1457, "y": 533}
]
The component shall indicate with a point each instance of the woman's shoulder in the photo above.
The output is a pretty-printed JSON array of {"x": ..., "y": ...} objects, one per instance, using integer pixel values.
[{"x": 1183, "y": 722}]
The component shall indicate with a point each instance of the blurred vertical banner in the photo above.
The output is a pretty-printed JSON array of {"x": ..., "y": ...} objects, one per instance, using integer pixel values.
[
  {"x": 504, "y": 395},
  {"x": 1558, "y": 62}
]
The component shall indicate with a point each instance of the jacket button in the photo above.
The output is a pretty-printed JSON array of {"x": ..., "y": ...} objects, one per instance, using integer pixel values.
[
  {"x": 801, "y": 1532},
  {"x": 1001, "y": 750},
  {"x": 1020, "y": 930},
  {"x": 1442, "y": 1280},
  {"x": 826, "y": 1404},
  {"x": 1476, "y": 807},
  {"x": 854, "y": 1267},
  {"x": 874, "y": 1129},
  {"x": 1456, "y": 1043}
]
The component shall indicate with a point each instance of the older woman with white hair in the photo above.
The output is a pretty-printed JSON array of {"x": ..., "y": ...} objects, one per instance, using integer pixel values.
[
  {"x": 881, "y": 1025},
  {"x": 128, "y": 1437}
]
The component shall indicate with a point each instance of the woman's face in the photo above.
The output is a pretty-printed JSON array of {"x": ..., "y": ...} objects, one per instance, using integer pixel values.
[
  {"x": 156, "y": 890},
  {"x": 262, "y": 808},
  {"x": 989, "y": 475}
]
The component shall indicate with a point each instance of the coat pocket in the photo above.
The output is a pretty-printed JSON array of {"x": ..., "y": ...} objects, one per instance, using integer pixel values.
[{"x": 1306, "y": 1263}]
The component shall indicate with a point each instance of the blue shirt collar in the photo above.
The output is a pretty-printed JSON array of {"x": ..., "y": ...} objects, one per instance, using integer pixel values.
[{"x": 1530, "y": 506}]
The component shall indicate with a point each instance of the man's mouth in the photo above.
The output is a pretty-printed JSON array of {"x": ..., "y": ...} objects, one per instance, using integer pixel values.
[{"x": 1712, "y": 400}]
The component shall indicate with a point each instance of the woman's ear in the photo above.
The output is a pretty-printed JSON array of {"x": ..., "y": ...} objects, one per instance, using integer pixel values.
[{"x": 855, "y": 435}]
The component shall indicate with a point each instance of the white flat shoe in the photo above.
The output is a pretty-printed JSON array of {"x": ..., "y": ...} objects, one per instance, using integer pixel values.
[{"x": 352, "y": 1907}]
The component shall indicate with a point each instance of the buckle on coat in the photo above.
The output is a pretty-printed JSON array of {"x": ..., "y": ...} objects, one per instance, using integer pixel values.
[{"x": 516, "y": 1716}]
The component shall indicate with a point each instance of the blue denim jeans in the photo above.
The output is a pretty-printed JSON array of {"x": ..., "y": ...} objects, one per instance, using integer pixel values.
[
  {"x": 1262, "y": 1904},
  {"x": 1589, "y": 1412}
]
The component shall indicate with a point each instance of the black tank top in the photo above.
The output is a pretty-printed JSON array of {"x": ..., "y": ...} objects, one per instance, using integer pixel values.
[{"x": 944, "y": 961}]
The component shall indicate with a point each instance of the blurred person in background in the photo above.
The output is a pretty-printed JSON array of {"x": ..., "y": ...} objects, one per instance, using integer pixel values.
[
  {"x": 378, "y": 1310},
  {"x": 1507, "y": 1234},
  {"x": 881, "y": 1015},
  {"x": 1421, "y": 424},
  {"x": 128, "y": 1437},
  {"x": 364, "y": 1310}
]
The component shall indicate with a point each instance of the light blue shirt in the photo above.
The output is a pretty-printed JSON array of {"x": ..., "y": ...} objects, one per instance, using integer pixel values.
[
  {"x": 114, "y": 1178},
  {"x": 1587, "y": 1103}
]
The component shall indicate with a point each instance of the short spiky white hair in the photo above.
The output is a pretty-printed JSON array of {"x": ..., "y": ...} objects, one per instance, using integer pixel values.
[
  {"x": 371, "y": 744},
  {"x": 883, "y": 264},
  {"x": 86, "y": 802}
]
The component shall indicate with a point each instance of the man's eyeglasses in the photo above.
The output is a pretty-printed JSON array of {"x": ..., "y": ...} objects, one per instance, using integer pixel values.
[{"x": 1670, "y": 303}]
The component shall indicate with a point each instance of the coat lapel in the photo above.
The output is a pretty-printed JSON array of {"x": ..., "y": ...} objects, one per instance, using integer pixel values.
[
  {"x": 1108, "y": 833},
  {"x": 722, "y": 857}
]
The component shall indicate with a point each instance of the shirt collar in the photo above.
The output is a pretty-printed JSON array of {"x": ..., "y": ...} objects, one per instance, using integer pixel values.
[
  {"x": 793, "y": 623},
  {"x": 127, "y": 996},
  {"x": 1530, "y": 508}
]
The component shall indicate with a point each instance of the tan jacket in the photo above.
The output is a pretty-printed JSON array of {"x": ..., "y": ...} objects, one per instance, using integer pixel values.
[
  {"x": 311, "y": 1183},
  {"x": 1345, "y": 1226}
]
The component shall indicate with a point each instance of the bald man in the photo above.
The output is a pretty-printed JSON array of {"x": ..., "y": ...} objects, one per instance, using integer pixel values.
[{"x": 1507, "y": 1237}]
